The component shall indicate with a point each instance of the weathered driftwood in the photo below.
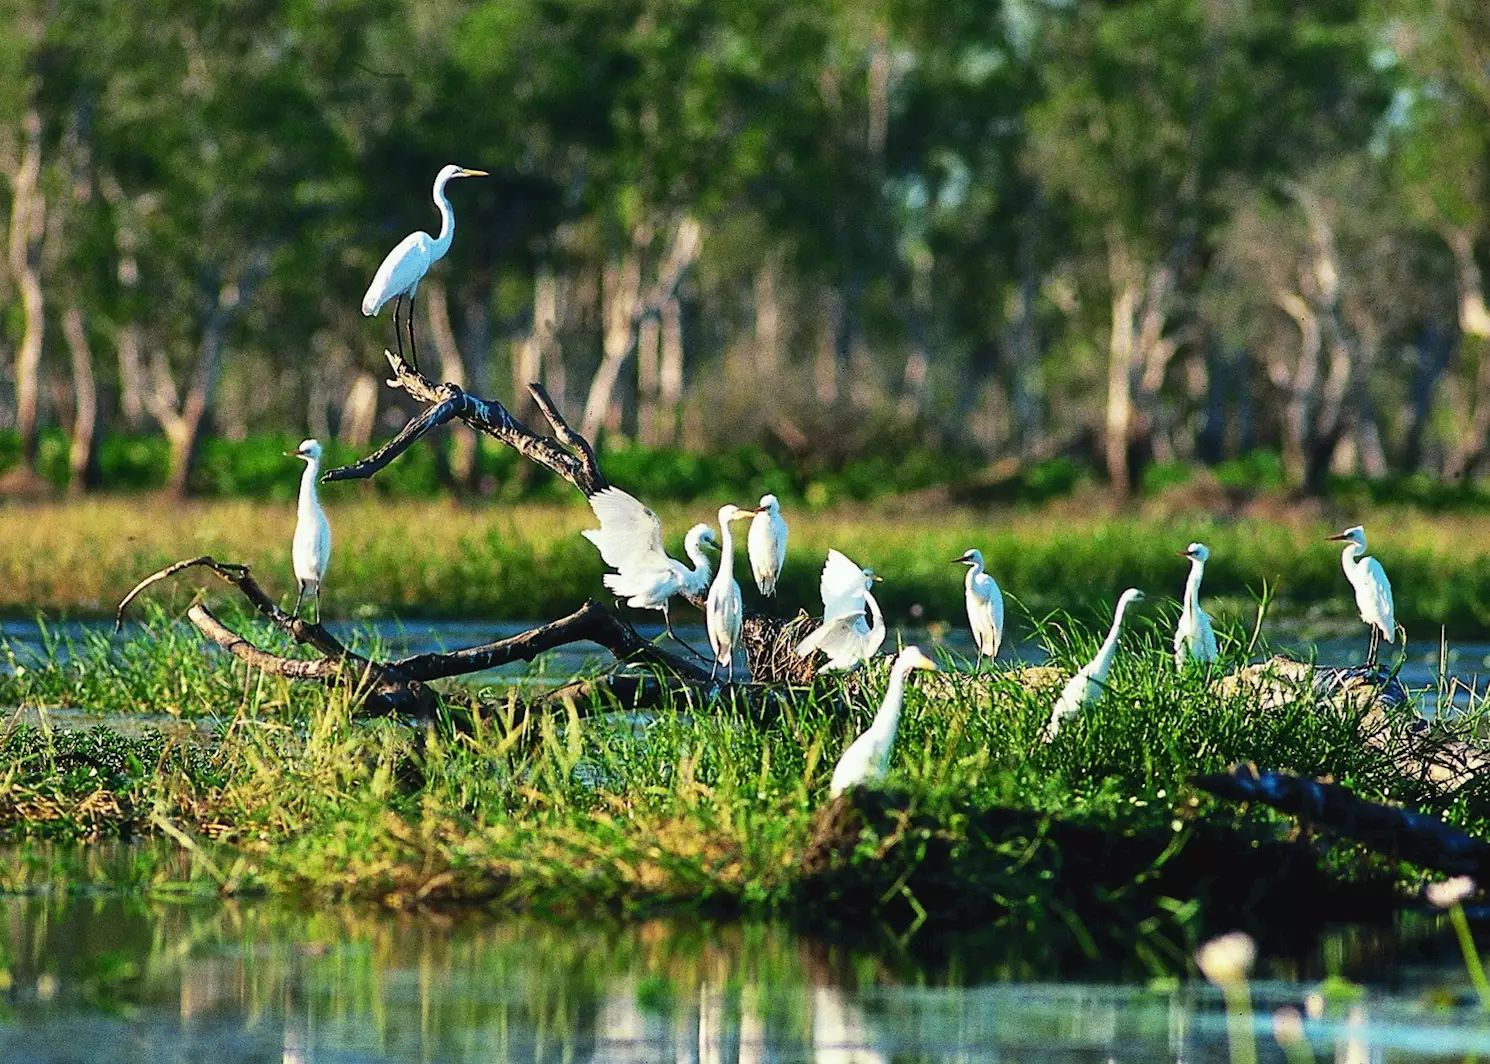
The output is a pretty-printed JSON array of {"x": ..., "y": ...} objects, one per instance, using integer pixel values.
[{"x": 1420, "y": 838}]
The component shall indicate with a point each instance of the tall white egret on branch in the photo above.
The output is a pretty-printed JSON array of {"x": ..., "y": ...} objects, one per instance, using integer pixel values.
[
  {"x": 406, "y": 264},
  {"x": 630, "y": 541},
  {"x": 1194, "y": 638},
  {"x": 867, "y": 760},
  {"x": 767, "y": 544},
  {"x": 1091, "y": 679},
  {"x": 1373, "y": 591},
  {"x": 724, "y": 611},
  {"x": 310, "y": 551},
  {"x": 845, "y": 636},
  {"x": 985, "y": 605}
]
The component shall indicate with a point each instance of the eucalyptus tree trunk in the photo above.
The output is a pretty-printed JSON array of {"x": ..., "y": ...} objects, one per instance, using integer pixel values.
[
  {"x": 1468, "y": 450},
  {"x": 82, "y": 453},
  {"x": 1138, "y": 354},
  {"x": 453, "y": 368},
  {"x": 27, "y": 229}
]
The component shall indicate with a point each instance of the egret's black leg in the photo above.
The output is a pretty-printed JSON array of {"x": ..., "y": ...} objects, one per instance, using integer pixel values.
[
  {"x": 413, "y": 347},
  {"x": 713, "y": 670},
  {"x": 676, "y": 638},
  {"x": 316, "y": 598},
  {"x": 398, "y": 336},
  {"x": 1372, "y": 647},
  {"x": 299, "y": 599}
]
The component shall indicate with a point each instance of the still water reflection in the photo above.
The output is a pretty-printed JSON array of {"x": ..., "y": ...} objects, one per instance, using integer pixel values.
[{"x": 104, "y": 980}]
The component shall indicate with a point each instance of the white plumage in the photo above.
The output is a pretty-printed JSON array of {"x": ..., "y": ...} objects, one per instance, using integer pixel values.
[
  {"x": 868, "y": 758},
  {"x": 766, "y": 544},
  {"x": 310, "y": 551},
  {"x": 724, "y": 610},
  {"x": 1373, "y": 591},
  {"x": 985, "y": 605},
  {"x": 405, "y": 266},
  {"x": 630, "y": 541},
  {"x": 1091, "y": 679},
  {"x": 845, "y": 636},
  {"x": 1194, "y": 638}
]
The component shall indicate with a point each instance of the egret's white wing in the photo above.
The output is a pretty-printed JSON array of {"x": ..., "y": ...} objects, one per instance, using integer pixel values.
[
  {"x": 842, "y": 588},
  {"x": 1379, "y": 594},
  {"x": 630, "y": 534},
  {"x": 400, "y": 271},
  {"x": 767, "y": 549}
]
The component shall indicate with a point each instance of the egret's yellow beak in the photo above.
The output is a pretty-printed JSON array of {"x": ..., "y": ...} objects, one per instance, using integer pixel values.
[
  {"x": 473, "y": 173},
  {"x": 294, "y": 454},
  {"x": 1342, "y": 535}
]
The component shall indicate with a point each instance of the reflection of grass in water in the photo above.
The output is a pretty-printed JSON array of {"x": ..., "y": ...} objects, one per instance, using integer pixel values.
[
  {"x": 439, "y": 559},
  {"x": 699, "y": 809}
]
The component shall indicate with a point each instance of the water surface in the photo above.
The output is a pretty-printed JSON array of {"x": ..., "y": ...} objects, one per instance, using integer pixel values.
[{"x": 107, "y": 979}]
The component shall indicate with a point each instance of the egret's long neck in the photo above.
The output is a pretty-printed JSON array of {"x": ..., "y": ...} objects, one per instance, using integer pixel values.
[
  {"x": 726, "y": 554},
  {"x": 973, "y": 569},
  {"x": 1351, "y": 556},
  {"x": 1103, "y": 661},
  {"x": 447, "y": 221},
  {"x": 308, "y": 478},
  {"x": 876, "y": 618},
  {"x": 887, "y": 720},
  {"x": 1192, "y": 586},
  {"x": 701, "y": 564}
]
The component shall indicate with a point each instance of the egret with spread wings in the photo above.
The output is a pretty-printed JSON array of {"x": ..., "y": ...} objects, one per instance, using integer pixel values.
[
  {"x": 630, "y": 541},
  {"x": 845, "y": 636}
]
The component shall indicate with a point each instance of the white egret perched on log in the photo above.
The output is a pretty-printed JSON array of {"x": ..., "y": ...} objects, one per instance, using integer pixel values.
[
  {"x": 985, "y": 605},
  {"x": 767, "y": 544},
  {"x": 724, "y": 610},
  {"x": 1194, "y": 638},
  {"x": 845, "y": 636},
  {"x": 406, "y": 264},
  {"x": 310, "y": 551},
  {"x": 630, "y": 541},
  {"x": 1091, "y": 679},
  {"x": 1373, "y": 591},
  {"x": 867, "y": 760}
]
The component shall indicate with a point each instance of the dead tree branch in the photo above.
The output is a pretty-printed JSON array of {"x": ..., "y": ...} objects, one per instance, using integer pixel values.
[
  {"x": 449, "y": 402},
  {"x": 1420, "y": 838}
]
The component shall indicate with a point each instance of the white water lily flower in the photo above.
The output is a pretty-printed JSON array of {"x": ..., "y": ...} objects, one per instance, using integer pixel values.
[
  {"x": 1227, "y": 959},
  {"x": 1450, "y": 892}
]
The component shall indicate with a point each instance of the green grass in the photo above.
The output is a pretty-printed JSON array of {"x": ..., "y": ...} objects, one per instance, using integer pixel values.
[
  {"x": 707, "y": 812},
  {"x": 438, "y": 559}
]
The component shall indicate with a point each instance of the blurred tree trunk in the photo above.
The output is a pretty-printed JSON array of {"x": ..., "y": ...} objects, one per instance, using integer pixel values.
[
  {"x": 626, "y": 306},
  {"x": 830, "y": 340},
  {"x": 462, "y": 460},
  {"x": 535, "y": 356},
  {"x": 1474, "y": 344},
  {"x": 359, "y": 412},
  {"x": 1138, "y": 355},
  {"x": 670, "y": 384},
  {"x": 767, "y": 319},
  {"x": 183, "y": 418},
  {"x": 82, "y": 454},
  {"x": 128, "y": 345},
  {"x": 28, "y": 224}
]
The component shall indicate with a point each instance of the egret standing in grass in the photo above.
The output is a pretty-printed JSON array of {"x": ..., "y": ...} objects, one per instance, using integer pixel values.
[
  {"x": 630, "y": 541},
  {"x": 310, "y": 552},
  {"x": 845, "y": 636},
  {"x": 1091, "y": 679},
  {"x": 867, "y": 760},
  {"x": 767, "y": 544},
  {"x": 724, "y": 611},
  {"x": 406, "y": 264},
  {"x": 1373, "y": 591},
  {"x": 985, "y": 606},
  {"x": 1194, "y": 638}
]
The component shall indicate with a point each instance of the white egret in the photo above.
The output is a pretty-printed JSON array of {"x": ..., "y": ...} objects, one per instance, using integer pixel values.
[
  {"x": 724, "y": 610},
  {"x": 868, "y": 758},
  {"x": 845, "y": 636},
  {"x": 1373, "y": 591},
  {"x": 406, "y": 264},
  {"x": 310, "y": 551},
  {"x": 985, "y": 605},
  {"x": 1087, "y": 685},
  {"x": 630, "y": 541},
  {"x": 1194, "y": 638},
  {"x": 767, "y": 544}
]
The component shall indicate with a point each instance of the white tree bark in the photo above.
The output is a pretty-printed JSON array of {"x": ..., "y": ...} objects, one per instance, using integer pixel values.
[{"x": 28, "y": 219}]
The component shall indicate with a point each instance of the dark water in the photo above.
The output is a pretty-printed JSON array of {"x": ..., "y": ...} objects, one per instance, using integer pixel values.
[{"x": 104, "y": 980}]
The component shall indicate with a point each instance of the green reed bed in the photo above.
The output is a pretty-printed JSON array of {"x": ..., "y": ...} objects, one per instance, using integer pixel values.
[
  {"x": 1097, "y": 834},
  {"x": 437, "y": 559}
]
